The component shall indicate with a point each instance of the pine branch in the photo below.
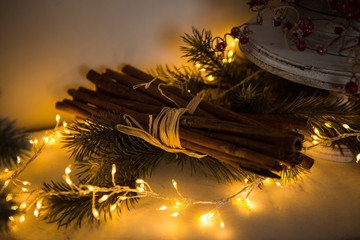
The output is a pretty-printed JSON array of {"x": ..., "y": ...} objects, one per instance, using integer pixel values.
[{"x": 13, "y": 143}]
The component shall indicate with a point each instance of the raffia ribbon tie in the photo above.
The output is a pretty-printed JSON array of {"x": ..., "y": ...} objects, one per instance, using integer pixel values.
[{"x": 164, "y": 129}]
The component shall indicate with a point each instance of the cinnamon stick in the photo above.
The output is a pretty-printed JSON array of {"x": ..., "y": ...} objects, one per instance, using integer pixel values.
[
  {"x": 120, "y": 90},
  {"x": 153, "y": 91},
  {"x": 67, "y": 106},
  {"x": 219, "y": 111}
]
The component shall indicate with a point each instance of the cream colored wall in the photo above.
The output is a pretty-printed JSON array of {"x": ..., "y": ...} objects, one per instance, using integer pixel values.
[{"x": 47, "y": 46}]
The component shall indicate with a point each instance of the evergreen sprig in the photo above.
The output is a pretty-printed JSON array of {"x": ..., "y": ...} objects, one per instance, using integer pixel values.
[{"x": 13, "y": 143}]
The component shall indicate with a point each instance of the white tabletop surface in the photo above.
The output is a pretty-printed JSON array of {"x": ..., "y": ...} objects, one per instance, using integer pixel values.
[{"x": 323, "y": 205}]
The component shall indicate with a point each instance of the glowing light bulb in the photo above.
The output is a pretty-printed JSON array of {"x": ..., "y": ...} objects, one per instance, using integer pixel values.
[
  {"x": 230, "y": 53},
  {"x": 6, "y": 170},
  {"x": 229, "y": 60},
  {"x": 123, "y": 198},
  {"x": 68, "y": 180},
  {"x": 246, "y": 180},
  {"x": 14, "y": 208},
  {"x": 248, "y": 202},
  {"x": 9, "y": 197},
  {"x": 31, "y": 141},
  {"x": 46, "y": 139},
  {"x": 140, "y": 189},
  {"x": 95, "y": 213},
  {"x": 11, "y": 218},
  {"x": 203, "y": 69},
  {"x": 174, "y": 184},
  {"x": 178, "y": 203},
  {"x": 175, "y": 214},
  {"x": 278, "y": 184},
  {"x": 267, "y": 180},
  {"x": 25, "y": 183},
  {"x": 327, "y": 125},
  {"x": 38, "y": 204},
  {"x": 52, "y": 140},
  {"x": 113, "y": 207},
  {"x": 198, "y": 65},
  {"x": 22, "y": 219},
  {"x": 23, "y": 206},
  {"x": 91, "y": 188},
  {"x": 346, "y": 126},
  {"x": 139, "y": 181},
  {"x": 64, "y": 124},
  {"x": 210, "y": 78},
  {"x": 163, "y": 207},
  {"x": 18, "y": 159},
  {"x": 35, "y": 141},
  {"x": 204, "y": 218},
  {"x": 24, "y": 189},
  {"x": 57, "y": 117},
  {"x": 36, "y": 212},
  {"x": 315, "y": 137},
  {"x": 68, "y": 170},
  {"x": 316, "y": 131},
  {"x": 222, "y": 225},
  {"x": 113, "y": 170},
  {"x": 358, "y": 158},
  {"x": 103, "y": 198},
  {"x": 6, "y": 183}
]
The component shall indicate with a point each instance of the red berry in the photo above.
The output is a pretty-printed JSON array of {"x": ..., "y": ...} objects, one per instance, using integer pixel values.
[
  {"x": 301, "y": 45},
  {"x": 338, "y": 30},
  {"x": 235, "y": 32},
  {"x": 243, "y": 39},
  {"x": 277, "y": 22},
  {"x": 351, "y": 87},
  {"x": 306, "y": 25},
  {"x": 287, "y": 26},
  {"x": 322, "y": 49},
  {"x": 221, "y": 46}
]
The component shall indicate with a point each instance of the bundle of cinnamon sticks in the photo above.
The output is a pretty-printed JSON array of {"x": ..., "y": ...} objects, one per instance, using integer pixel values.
[{"x": 260, "y": 143}]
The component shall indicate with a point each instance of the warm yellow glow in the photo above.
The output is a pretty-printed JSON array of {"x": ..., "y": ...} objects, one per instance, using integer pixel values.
[
  {"x": 9, "y": 197},
  {"x": 175, "y": 214},
  {"x": 6, "y": 170},
  {"x": 18, "y": 159},
  {"x": 139, "y": 181},
  {"x": 346, "y": 126},
  {"x": 316, "y": 131},
  {"x": 23, "y": 206},
  {"x": 31, "y": 141},
  {"x": 113, "y": 207},
  {"x": 68, "y": 170},
  {"x": 328, "y": 125},
  {"x": 246, "y": 180},
  {"x": 6, "y": 183},
  {"x": 14, "y": 208},
  {"x": 11, "y": 218},
  {"x": 103, "y": 198},
  {"x": 198, "y": 65},
  {"x": 174, "y": 184},
  {"x": 22, "y": 219},
  {"x": 36, "y": 212},
  {"x": 267, "y": 180},
  {"x": 315, "y": 137},
  {"x": 315, "y": 142},
  {"x": 68, "y": 180},
  {"x": 230, "y": 53},
  {"x": 95, "y": 213},
  {"x": 163, "y": 207},
  {"x": 46, "y": 139},
  {"x": 67, "y": 131},
  {"x": 64, "y": 124},
  {"x": 52, "y": 140},
  {"x": 224, "y": 60},
  {"x": 140, "y": 189},
  {"x": 35, "y": 141},
  {"x": 278, "y": 184},
  {"x": 248, "y": 202},
  {"x": 113, "y": 170},
  {"x": 123, "y": 198},
  {"x": 358, "y": 158},
  {"x": 188, "y": 90},
  {"x": 229, "y": 60},
  {"x": 222, "y": 225},
  {"x": 210, "y": 78},
  {"x": 206, "y": 217},
  {"x": 57, "y": 117},
  {"x": 25, "y": 183},
  {"x": 236, "y": 39},
  {"x": 24, "y": 189},
  {"x": 38, "y": 204},
  {"x": 203, "y": 69},
  {"x": 178, "y": 203}
]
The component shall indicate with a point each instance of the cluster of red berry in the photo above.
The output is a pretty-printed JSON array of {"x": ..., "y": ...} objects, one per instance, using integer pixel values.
[{"x": 241, "y": 33}]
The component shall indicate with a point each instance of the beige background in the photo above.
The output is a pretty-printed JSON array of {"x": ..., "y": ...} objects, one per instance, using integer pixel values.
[{"x": 47, "y": 46}]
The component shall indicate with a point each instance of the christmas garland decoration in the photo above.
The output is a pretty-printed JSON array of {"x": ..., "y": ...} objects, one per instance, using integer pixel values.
[{"x": 112, "y": 165}]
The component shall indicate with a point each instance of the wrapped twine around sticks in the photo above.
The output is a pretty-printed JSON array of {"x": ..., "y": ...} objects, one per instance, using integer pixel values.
[{"x": 164, "y": 129}]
